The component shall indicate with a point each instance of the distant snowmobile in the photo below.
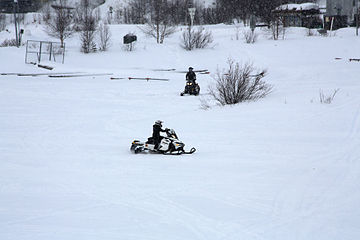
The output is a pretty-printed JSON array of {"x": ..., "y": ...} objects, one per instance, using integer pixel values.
[
  {"x": 191, "y": 88},
  {"x": 169, "y": 145}
]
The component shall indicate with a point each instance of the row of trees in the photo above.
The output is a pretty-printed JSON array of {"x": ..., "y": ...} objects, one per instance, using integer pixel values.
[
  {"x": 62, "y": 22},
  {"x": 223, "y": 11},
  {"x": 160, "y": 18}
]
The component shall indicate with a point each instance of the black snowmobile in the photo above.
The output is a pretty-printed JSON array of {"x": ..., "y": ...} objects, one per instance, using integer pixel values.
[
  {"x": 191, "y": 88},
  {"x": 169, "y": 145}
]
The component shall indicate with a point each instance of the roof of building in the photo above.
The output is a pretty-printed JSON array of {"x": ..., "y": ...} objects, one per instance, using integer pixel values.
[{"x": 298, "y": 7}]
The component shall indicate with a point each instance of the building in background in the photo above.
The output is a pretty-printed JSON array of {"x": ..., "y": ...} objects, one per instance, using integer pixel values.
[
  {"x": 300, "y": 15},
  {"x": 341, "y": 13}
]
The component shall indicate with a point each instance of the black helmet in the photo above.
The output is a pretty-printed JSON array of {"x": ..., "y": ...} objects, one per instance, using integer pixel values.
[
  {"x": 158, "y": 122},
  {"x": 191, "y": 68}
]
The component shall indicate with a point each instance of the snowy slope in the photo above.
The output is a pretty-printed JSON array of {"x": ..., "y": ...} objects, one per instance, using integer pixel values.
[{"x": 285, "y": 167}]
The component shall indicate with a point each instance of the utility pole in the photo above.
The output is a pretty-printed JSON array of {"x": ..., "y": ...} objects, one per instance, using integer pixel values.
[
  {"x": 191, "y": 10},
  {"x": 15, "y": 6},
  {"x": 357, "y": 21}
]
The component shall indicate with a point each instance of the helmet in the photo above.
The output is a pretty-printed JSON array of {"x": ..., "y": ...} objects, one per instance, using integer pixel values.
[
  {"x": 158, "y": 122},
  {"x": 191, "y": 68}
]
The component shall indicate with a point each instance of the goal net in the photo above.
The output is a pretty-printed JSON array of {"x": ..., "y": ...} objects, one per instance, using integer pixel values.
[{"x": 37, "y": 51}]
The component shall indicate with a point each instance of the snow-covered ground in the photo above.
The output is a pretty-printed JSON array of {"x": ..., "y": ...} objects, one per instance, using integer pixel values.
[{"x": 284, "y": 167}]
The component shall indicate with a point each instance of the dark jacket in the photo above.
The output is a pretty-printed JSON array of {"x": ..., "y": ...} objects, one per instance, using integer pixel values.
[
  {"x": 156, "y": 132},
  {"x": 191, "y": 76}
]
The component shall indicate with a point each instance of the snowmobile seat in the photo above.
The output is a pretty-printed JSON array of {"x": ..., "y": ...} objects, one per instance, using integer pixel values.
[{"x": 150, "y": 140}]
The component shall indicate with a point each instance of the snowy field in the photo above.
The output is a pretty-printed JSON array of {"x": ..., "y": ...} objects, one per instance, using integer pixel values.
[{"x": 284, "y": 167}]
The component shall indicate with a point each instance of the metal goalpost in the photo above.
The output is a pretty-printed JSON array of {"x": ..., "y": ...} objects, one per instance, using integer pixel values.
[{"x": 37, "y": 51}]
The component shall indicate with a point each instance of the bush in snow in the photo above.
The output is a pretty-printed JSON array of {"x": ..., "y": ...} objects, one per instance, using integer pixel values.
[
  {"x": 240, "y": 82},
  {"x": 196, "y": 38},
  {"x": 8, "y": 42},
  {"x": 104, "y": 37},
  {"x": 329, "y": 98},
  {"x": 250, "y": 36}
]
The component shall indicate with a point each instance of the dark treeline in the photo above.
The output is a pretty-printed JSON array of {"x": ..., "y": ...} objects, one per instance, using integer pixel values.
[
  {"x": 23, "y": 6},
  {"x": 223, "y": 11}
]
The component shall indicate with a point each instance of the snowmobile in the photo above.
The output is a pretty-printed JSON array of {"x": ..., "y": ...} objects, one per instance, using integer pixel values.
[
  {"x": 169, "y": 145},
  {"x": 191, "y": 88}
]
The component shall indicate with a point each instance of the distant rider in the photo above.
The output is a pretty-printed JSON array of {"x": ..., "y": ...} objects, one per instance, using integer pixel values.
[
  {"x": 190, "y": 75},
  {"x": 156, "y": 133}
]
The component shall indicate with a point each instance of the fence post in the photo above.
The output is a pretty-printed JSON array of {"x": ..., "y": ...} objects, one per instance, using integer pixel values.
[
  {"x": 50, "y": 51},
  {"x": 39, "y": 58},
  {"x": 26, "y": 53}
]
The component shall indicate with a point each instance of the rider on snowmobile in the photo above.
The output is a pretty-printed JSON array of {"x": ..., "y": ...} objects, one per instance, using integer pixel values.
[
  {"x": 156, "y": 132},
  {"x": 190, "y": 75}
]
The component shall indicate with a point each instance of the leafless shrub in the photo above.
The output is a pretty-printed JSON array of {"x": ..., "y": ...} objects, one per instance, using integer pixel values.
[
  {"x": 277, "y": 28},
  {"x": 104, "y": 37},
  {"x": 8, "y": 43},
  {"x": 327, "y": 99},
  {"x": 250, "y": 36},
  {"x": 196, "y": 38},
  {"x": 240, "y": 82}
]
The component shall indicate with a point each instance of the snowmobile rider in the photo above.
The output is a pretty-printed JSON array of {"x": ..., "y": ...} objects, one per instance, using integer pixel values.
[
  {"x": 156, "y": 133},
  {"x": 190, "y": 75}
]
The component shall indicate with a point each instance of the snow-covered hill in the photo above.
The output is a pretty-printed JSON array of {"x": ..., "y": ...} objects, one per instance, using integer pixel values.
[{"x": 284, "y": 167}]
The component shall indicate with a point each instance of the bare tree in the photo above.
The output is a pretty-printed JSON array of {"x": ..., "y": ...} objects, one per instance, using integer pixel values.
[
  {"x": 159, "y": 25},
  {"x": 196, "y": 38},
  {"x": 104, "y": 37},
  {"x": 240, "y": 82},
  {"x": 60, "y": 24},
  {"x": 277, "y": 27},
  {"x": 159, "y": 31}
]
